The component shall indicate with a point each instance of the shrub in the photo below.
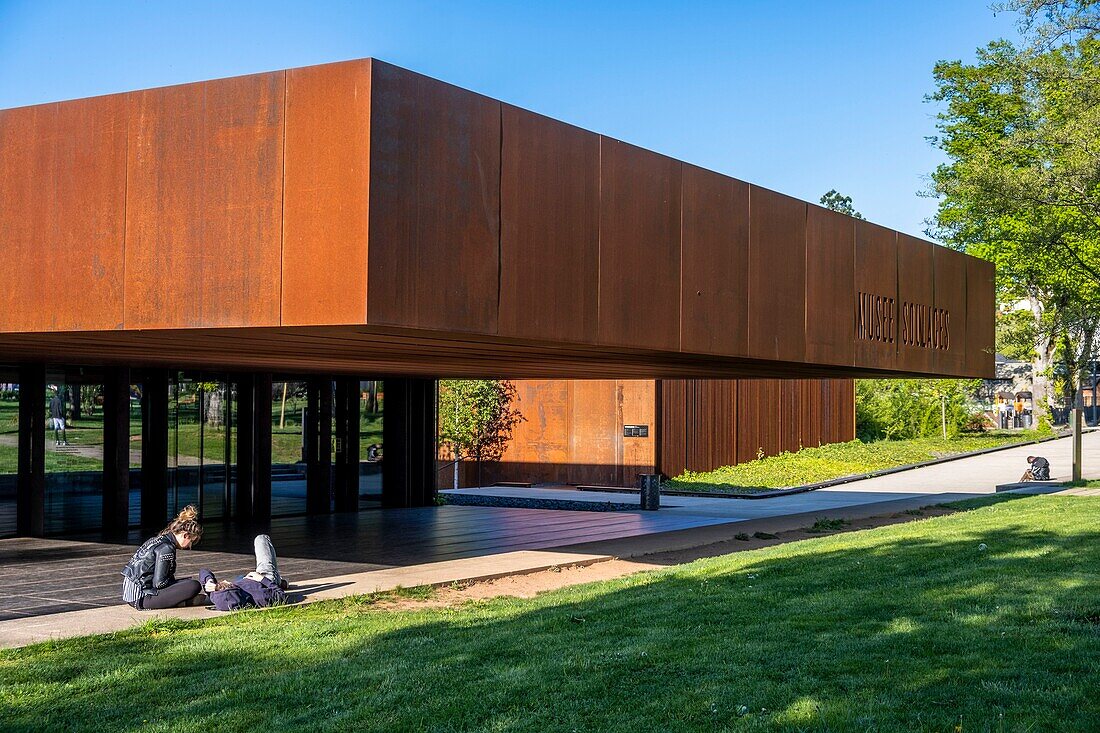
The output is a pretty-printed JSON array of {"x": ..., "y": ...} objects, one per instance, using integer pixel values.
[{"x": 911, "y": 408}]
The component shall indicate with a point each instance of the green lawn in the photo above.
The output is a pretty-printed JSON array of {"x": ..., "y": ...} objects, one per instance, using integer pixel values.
[
  {"x": 811, "y": 465},
  {"x": 912, "y": 627}
]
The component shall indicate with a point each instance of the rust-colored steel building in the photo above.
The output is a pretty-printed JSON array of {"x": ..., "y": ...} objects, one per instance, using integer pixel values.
[
  {"x": 606, "y": 432},
  {"x": 324, "y": 225}
]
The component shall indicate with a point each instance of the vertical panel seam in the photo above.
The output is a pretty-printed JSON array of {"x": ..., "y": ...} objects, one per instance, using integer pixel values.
[
  {"x": 500, "y": 210},
  {"x": 282, "y": 198},
  {"x": 599, "y": 239},
  {"x": 125, "y": 199}
]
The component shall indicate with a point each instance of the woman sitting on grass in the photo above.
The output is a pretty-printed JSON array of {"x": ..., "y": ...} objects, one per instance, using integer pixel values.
[
  {"x": 261, "y": 588},
  {"x": 149, "y": 579}
]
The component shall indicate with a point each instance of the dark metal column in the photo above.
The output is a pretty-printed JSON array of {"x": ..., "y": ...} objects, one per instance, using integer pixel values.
[
  {"x": 154, "y": 450},
  {"x": 318, "y": 439},
  {"x": 347, "y": 445},
  {"x": 30, "y": 496},
  {"x": 409, "y": 441},
  {"x": 246, "y": 387},
  {"x": 116, "y": 452},
  {"x": 261, "y": 448}
]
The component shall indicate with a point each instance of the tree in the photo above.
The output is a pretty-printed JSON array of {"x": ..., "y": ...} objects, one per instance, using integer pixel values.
[
  {"x": 843, "y": 204},
  {"x": 1021, "y": 130},
  {"x": 476, "y": 418}
]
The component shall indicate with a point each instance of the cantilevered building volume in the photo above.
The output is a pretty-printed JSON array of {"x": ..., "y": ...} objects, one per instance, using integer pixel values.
[{"x": 184, "y": 248}]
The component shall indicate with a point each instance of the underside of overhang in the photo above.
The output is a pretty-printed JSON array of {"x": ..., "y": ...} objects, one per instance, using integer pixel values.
[{"x": 356, "y": 350}]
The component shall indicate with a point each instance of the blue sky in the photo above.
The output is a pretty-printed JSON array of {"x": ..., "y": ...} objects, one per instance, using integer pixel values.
[{"x": 797, "y": 96}]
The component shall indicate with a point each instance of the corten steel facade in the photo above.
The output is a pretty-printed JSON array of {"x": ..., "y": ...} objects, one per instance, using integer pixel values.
[
  {"x": 575, "y": 431},
  {"x": 358, "y": 219}
]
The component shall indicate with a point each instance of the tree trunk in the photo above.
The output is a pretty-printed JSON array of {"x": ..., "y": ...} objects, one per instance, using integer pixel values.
[{"x": 1040, "y": 368}]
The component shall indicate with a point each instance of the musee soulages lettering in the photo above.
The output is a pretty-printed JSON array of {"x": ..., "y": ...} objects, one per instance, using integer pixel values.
[{"x": 916, "y": 325}]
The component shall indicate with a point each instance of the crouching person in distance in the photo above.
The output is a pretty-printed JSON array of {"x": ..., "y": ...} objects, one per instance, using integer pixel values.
[
  {"x": 149, "y": 578},
  {"x": 259, "y": 589}
]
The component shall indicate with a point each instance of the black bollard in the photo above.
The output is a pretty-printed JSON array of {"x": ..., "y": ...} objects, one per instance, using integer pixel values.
[{"x": 650, "y": 485}]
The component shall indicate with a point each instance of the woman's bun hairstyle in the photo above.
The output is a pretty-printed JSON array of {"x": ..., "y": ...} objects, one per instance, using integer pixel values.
[{"x": 186, "y": 522}]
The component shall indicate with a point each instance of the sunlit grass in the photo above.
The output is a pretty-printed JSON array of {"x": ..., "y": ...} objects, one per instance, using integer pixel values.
[
  {"x": 901, "y": 628},
  {"x": 836, "y": 460}
]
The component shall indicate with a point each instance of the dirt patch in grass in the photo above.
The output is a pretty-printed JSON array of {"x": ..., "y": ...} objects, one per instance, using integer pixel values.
[{"x": 531, "y": 584}]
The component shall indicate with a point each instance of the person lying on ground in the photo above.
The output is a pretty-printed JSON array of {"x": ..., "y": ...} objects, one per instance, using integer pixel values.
[
  {"x": 259, "y": 589},
  {"x": 149, "y": 578},
  {"x": 1039, "y": 471}
]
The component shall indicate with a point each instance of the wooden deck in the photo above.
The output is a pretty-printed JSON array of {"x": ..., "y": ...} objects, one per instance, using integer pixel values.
[{"x": 43, "y": 576}]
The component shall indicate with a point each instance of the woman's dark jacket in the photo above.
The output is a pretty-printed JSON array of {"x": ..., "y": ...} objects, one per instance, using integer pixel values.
[{"x": 151, "y": 568}]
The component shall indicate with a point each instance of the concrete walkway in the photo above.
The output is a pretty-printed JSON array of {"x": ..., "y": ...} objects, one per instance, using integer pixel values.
[
  {"x": 951, "y": 481},
  {"x": 715, "y": 520}
]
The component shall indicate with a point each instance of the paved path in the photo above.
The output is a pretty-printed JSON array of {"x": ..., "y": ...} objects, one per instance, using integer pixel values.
[{"x": 950, "y": 481}]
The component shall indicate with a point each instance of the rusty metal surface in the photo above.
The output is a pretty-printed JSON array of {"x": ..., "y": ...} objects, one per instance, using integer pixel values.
[
  {"x": 392, "y": 223},
  {"x": 758, "y": 430},
  {"x": 326, "y": 180},
  {"x": 27, "y": 161},
  {"x": 639, "y": 247},
  {"x": 715, "y": 241},
  {"x": 877, "y": 283},
  {"x": 951, "y": 295},
  {"x": 85, "y": 255},
  {"x": 573, "y": 433},
  {"x": 550, "y": 238},
  {"x": 777, "y": 276},
  {"x": 830, "y": 286},
  {"x": 62, "y": 193},
  {"x": 916, "y": 293},
  {"x": 435, "y": 204},
  {"x": 242, "y": 200},
  {"x": 980, "y": 312},
  {"x": 203, "y": 204},
  {"x": 165, "y": 247}
]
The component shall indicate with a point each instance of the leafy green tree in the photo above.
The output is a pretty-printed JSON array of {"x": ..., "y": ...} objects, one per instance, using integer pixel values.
[
  {"x": 897, "y": 409},
  {"x": 476, "y": 419},
  {"x": 843, "y": 204},
  {"x": 1021, "y": 131},
  {"x": 1016, "y": 334}
]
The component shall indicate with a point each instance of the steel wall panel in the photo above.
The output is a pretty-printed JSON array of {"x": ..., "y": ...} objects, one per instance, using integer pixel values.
[
  {"x": 916, "y": 294},
  {"x": 951, "y": 294},
  {"x": 325, "y": 217},
  {"x": 243, "y": 200},
  {"x": 672, "y": 426},
  {"x": 639, "y": 247},
  {"x": 597, "y": 440},
  {"x": 811, "y": 427},
  {"x": 714, "y": 284},
  {"x": 165, "y": 242},
  {"x": 790, "y": 418},
  {"x": 550, "y": 236},
  {"x": 980, "y": 311},
  {"x": 544, "y": 438},
  {"x": 435, "y": 204},
  {"x": 830, "y": 286},
  {"x": 88, "y": 227},
  {"x": 777, "y": 276},
  {"x": 28, "y": 160},
  {"x": 203, "y": 212},
  {"x": 876, "y": 280},
  {"x": 638, "y": 407},
  {"x": 758, "y": 429}
]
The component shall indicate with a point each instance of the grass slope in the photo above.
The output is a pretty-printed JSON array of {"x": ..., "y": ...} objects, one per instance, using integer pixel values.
[
  {"x": 811, "y": 465},
  {"x": 904, "y": 628}
]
